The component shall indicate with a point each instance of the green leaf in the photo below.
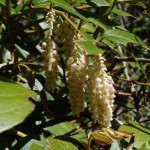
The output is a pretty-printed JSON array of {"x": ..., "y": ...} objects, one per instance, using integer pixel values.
[
  {"x": 38, "y": 142},
  {"x": 2, "y": 2},
  {"x": 14, "y": 104},
  {"x": 145, "y": 146},
  {"x": 142, "y": 134},
  {"x": 31, "y": 142},
  {"x": 65, "y": 6},
  {"x": 61, "y": 128},
  {"x": 89, "y": 46},
  {"x": 122, "y": 13},
  {"x": 99, "y": 3},
  {"x": 35, "y": 146},
  {"x": 23, "y": 52},
  {"x": 123, "y": 37},
  {"x": 41, "y": 2},
  {"x": 134, "y": 2},
  {"x": 97, "y": 22},
  {"x": 56, "y": 144},
  {"x": 112, "y": 46}
]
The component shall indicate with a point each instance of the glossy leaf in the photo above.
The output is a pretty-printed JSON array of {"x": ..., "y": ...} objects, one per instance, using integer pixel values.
[
  {"x": 99, "y": 3},
  {"x": 36, "y": 147},
  {"x": 122, "y": 13},
  {"x": 56, "y": 144},
  {"x": 14, "y": 104},
  {"x": 31, "y": 142},
  {"x": 145, "y": 146},
  {"x": 90, "y": 47},
  {"x": 2, "y": 2},
  {"x": 68, "y": 127},
  {"x": 142, "y": 134},
  {"x": 65, "y": 6},
  {"x": 41, "y": 2},
  {"x": 134, "y": 2},
  {"x": 123, "y": 37},
  {"x": 97, "y": 22},
  {"x": 61, "y": 128}
]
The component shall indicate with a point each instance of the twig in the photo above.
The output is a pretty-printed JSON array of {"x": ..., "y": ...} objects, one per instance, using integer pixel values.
[
  {"x": 39, "y": 7},
  {"x": 133, "y": 81},
  {"x": 33, "y": 64},
  {"x": 89, "y": 142},
  {"x": 10, "y": 25},
  {"x": 146, "y": 120},
  {"x": 123, "y": 93},
  {"x": 83, "y": 7},
  {"x": 67, "y": 18},
  {"x": 57, "y": 11},
  {"x": 146, "y": 60}
]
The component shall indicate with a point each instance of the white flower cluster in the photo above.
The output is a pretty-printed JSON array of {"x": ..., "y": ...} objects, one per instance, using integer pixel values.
[
  {"x": 101, "y": 92},
  {"x": 76, "y": 76},
  {"x": 59, "y": 29},
  {"x": 50, "y": 54},
  {"x": 99, "y": 84}
]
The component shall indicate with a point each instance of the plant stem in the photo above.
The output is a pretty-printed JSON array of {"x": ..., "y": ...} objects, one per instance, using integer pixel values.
[
  {"x": 89, "y": 143},
  {"x": 9, "y": 24},
  {"x": 67, "y": 18},
  {"x": 146, "y": 60},
  {"x": 134, "y": 82},
  {"x": 57, "y": 11}
]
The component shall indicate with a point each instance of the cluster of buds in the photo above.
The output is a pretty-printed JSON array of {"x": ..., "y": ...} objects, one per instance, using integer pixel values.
[
  {"x": 101, "y": 92},
  {"x": 76, "y": 76},
  {"x": 50, "y": 54}
]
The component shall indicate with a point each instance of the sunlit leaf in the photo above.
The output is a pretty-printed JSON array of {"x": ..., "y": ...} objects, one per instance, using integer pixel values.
[
  {"x": 122, "y": 13},
  {"x": 134, "y": 2},
  {"x": 123, "y": 37},
  {"x": 145, "y": 146},
  {"x": 89, "y": 46},
  {"x": 65, "y": 6},
  {"x": 23, "y": 52},
  {"x": 61, "y": 128},
  {"x": 41, "y": 2},
  {"x": 142, "y": 134},
  {"x": 2, "y": 2},
  {"x": 14, "y": 104},
  {"x": 100, "y": 3},
  {"x": 97, "y": 22},
  {"x": 55, "y": 144}
]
